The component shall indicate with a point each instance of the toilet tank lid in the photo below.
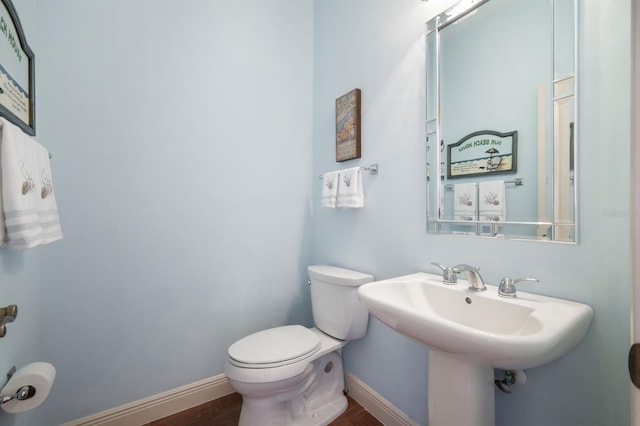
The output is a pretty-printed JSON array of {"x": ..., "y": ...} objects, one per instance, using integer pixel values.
[{"x": 338, "y": 276}]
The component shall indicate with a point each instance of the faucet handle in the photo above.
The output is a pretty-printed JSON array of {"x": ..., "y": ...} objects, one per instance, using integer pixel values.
[
  {"x": 448, "y": 274},
  {"x": 507, "y": 286}
]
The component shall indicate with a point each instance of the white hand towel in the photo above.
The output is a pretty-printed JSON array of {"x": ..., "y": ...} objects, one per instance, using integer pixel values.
[
  {"x": 29, "y": 218},
  {"x": 19, "y": 198},
  {"x": 350, "y": 194},
  {"x": 330, "y": 189},
  {"x": 492, "y": 201},
  {"x": 48, "y": 208},
  {"x": 465, "y": 206}
]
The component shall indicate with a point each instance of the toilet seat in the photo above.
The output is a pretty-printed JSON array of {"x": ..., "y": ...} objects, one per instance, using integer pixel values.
[
  {"x": 238, "y": 371},
  {"x": 274, "y": 347}
]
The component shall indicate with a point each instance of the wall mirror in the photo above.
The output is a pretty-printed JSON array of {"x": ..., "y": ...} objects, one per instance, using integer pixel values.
[{"x": 501, "y": 120}]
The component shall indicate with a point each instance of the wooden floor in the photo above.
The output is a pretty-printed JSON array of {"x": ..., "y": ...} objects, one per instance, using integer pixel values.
[{"x": 225, "y": 411}]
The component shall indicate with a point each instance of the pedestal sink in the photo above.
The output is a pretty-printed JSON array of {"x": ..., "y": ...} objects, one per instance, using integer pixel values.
[{"x": 469, "y": 333}]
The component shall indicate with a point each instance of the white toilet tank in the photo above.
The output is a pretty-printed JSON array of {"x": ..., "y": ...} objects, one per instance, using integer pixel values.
[{"x": 337, "y": 311}]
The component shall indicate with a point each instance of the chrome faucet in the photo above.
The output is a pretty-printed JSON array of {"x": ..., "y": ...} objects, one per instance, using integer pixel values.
[{"x": 472, "y": 274}]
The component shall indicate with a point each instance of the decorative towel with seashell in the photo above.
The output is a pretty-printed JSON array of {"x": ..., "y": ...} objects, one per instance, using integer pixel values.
[
  {"x": 465, "y": 206},
  {"x": 330, "y": 189},
  {"x": 492, "y": 201},
  {"x": 28, "y": 200},
  {"x": 350, "y": 194}
]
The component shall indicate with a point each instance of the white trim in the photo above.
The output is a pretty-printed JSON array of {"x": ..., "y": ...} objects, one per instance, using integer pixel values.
[
  {"x": 376, "y": 405},
  {"x": 635, "y": 200},
  {"x": 161, "y": 405},
  {"x": 179, "y": 399}
]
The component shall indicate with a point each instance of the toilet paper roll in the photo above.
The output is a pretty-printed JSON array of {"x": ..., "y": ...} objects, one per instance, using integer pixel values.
[{"x": 40, "y": 375}]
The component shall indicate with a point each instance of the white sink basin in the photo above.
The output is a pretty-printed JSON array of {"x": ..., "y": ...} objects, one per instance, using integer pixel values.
[{"x": 479, "y": 327}]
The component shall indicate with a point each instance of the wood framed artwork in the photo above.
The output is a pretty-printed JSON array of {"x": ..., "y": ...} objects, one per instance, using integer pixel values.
[
  {"x": 17, "y": 74},
  {"x": 481, "y": 153},
  {"x": 348, "y": 126}
]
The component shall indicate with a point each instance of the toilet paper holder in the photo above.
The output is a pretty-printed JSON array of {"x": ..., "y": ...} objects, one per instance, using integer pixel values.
[
  {"x": 24, "y": 393},
  {"x": 7, "y": 314}
]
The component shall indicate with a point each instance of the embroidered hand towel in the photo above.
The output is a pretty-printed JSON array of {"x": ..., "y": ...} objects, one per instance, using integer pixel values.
[
  {"x": 465, "y": 201},
  {"x": 329, "y": 189},
  {"x": 492, "y": 203},
  {"x": 48, "y": 208},
  {"x": 26, "y": 184},
  {"x": 19, "y": 187},
  {"x": 350, "y": 194}
]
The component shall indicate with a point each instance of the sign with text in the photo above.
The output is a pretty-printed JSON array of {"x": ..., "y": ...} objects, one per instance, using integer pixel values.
[
  {"x": 16, "y": 71},
  {"x": 483, "y": 152},
  {"x": 348, "y": 126}
]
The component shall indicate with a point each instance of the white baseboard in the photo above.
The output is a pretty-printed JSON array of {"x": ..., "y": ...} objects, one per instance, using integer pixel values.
[
  {"x": 380, "y": 408},
  {"x": 161, "y": 405},
  {"x": 179, "y": 399}
]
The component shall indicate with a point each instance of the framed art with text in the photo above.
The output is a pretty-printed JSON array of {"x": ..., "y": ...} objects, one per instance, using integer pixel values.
[
  {"x": 481, "y": 153},
  {"x": 348, "y": 126},
  {"x": 17, "y": 75}
]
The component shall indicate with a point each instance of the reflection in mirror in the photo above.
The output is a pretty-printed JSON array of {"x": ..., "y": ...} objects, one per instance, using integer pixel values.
[{"x": 501, "y": 120}]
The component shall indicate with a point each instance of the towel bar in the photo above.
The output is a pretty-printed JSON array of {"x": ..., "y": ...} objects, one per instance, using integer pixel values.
[
  {"x": 516, "y": 182},
  {"x": 371, "y": 168}
]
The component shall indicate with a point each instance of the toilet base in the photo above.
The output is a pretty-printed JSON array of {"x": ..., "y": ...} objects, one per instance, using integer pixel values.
[
  {"x": 317, "y": 401},
  {"x": 323, "y": 415},
  {"x": 256, "y": 414}
]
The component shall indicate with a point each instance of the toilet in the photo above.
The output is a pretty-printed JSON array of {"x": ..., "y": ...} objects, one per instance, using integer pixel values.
[{"x": 293, "y": 375}]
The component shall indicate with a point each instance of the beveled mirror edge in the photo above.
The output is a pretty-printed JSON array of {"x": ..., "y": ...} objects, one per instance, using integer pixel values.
[{"x": 453, "y": 14}]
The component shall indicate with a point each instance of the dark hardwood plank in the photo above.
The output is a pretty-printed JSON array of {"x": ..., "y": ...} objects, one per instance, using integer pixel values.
[
  {"x": 225, "y": 411},
  {"x": 355, "y": 415}
]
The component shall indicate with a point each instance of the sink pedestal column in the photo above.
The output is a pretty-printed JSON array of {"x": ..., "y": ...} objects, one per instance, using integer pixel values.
[{"x": 459, "y": 392}]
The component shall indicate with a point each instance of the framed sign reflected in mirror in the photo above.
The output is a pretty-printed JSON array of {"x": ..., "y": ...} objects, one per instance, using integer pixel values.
[
  {"x": 482, "y": 153},
  {"x": 17, "y": 74}
]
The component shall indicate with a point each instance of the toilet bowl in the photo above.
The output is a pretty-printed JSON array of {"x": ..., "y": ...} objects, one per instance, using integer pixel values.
[
  {"x": 304, "y": 390},
  {"x": 293, "y": 375}
]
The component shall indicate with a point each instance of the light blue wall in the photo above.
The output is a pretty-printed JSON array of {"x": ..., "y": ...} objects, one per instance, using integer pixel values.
[
  {"x": 19, "y": 278},
  {"x": 187, "y": 139},
  {"x": 377, "y": 46},
  {"x": 181, "y": 134}
]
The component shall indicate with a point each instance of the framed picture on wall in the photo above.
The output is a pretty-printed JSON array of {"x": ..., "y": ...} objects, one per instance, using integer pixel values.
[
  {"x": 348, "y": 126},
  {"x": 17, "y": 80}
]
